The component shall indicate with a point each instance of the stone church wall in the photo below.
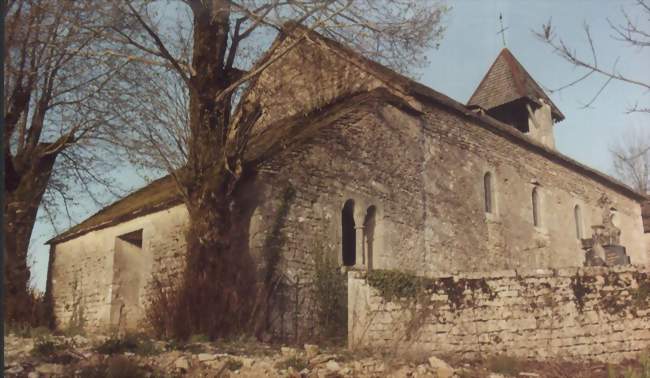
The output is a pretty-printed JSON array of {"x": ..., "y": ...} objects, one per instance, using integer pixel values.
[
  {"x": 589, "y": 313},
  {"x": 426, "y": 179},
  {"x": 459, "y": 155},
  {"x": 424, "y": 176},
  {"x": 86, "y": 271}
]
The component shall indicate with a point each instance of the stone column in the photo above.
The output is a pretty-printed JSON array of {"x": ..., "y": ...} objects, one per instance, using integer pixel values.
[{"x": 360, "y": 260}]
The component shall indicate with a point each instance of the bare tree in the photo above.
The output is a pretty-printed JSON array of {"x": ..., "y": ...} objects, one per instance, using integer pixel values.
[
  {"x": 631, "y": 159},
  {"x": 57, "y": 80},
  {"x": 225, "y": 38},
  {"x": 633, "y": 32}
]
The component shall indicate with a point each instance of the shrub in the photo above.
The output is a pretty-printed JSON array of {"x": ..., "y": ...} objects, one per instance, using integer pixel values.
[
  {"x": 329, "y": 294},
  {"x": 47, "y": 347},
  {"x": 53, "y": 351},
  {"x": 162, "y": 314}
]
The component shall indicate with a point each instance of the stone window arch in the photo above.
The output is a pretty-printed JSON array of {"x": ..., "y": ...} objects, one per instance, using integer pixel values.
[
  {"x": 348, "y": 234},
  {"x": 537, "y": 221},
  {"x": 577, "y": 215},
  {"x": 488, "y": 192},
  {"x": 369, "y": 234}
]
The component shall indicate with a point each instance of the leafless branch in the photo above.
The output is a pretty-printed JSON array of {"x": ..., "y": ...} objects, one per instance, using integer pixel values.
[
  {"x": 631, "y": 159},
  {"x": 630, "y": 32}
]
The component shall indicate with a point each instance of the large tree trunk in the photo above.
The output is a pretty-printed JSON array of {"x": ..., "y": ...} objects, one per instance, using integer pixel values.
[
  {"x": 21, "y": 206},
  {"x": 218, "y": 287}
]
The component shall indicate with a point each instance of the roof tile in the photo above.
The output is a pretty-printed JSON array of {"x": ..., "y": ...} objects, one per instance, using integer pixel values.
[{"x": 507, "y": 81}]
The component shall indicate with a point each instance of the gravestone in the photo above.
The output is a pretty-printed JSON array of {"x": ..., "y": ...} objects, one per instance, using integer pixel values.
[
  {"x": 615, "y": 255},
  {"x": 604, "y": 249}
]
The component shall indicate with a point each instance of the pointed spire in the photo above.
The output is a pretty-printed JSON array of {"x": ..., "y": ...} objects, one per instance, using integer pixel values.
[{"x": 507, "y": 81}]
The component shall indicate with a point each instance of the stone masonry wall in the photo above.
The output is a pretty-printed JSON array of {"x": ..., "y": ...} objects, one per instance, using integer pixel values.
[
  {"x": 587, "y": 313},
  {"x": 458, "y": 154},
  {"x": 83, "y": 275},
  {"x": 425, "y": 178}
]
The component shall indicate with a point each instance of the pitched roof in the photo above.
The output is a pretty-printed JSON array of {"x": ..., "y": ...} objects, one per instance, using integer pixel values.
[
  {"x": 157, "y": 195},
  {"x": 507, "y": 81}
]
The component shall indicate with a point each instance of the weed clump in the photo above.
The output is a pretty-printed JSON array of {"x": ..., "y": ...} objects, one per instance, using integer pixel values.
[
  {"x": 25, "y": 330},
  {"x": 641, "y": 296},
  {"x": 233, "y": 365},
  {"x": 129, "y": 343},
  {"x": 295, "y": 362},
  {"x": 115, "y": 367},
  {"x": 640, "y": 371},
  {"x": 46, "y": 347},
  {"x": 503, "y": 364},
  {"x": 395, "y": 285}
]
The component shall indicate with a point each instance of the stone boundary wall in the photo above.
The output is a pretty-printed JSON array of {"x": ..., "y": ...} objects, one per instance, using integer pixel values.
[{"x": 587, "y": 313}]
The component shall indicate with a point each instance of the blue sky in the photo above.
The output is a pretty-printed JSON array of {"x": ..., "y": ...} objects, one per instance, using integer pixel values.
[{"x": 468, "y": 49}]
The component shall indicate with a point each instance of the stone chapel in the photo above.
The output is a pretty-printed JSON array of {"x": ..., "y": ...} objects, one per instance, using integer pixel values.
[{"x": 377, "y": 170}]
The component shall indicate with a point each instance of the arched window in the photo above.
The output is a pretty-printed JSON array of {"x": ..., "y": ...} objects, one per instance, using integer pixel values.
[
  {"x": 348, "y": 234},
  {"x": 536, "y": 215},
  {"x": 577, "y": 214},
  {"x": 369, "y": 234},
  {"x": 487, "y": 190}
]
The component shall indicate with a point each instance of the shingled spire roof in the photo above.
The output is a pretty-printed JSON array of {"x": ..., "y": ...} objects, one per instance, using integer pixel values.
[{"x": 507, "y": 81}]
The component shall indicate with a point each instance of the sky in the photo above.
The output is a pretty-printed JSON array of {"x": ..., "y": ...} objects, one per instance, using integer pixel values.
[{"x": 469, "y": 47}]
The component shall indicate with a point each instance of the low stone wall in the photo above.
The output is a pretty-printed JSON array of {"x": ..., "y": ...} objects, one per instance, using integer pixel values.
[{"x": 589, "y": 313}]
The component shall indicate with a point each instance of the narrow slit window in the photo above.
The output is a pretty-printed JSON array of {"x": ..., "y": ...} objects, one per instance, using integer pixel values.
[
  {"x": 577, "y": 213},
  {"x": 487, "y": 188},
  {"x": 536, "y": 215}
]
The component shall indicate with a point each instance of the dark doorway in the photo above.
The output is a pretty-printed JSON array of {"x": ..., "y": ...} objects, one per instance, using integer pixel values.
[
  {"x": 349, "y": 237},
  {"x": 129, "y": 267}
]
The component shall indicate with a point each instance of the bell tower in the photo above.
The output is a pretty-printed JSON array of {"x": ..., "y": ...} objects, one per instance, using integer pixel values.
[{"x": 509, "y": 94}]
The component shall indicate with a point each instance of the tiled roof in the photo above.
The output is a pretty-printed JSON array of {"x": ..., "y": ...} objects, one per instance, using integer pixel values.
[
  {"x": 158, "y": 195},
  {"x": 507, "y": 81}
]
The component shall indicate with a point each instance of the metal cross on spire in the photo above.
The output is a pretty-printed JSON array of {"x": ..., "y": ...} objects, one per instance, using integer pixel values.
[{"x": 502, "y": 31}]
